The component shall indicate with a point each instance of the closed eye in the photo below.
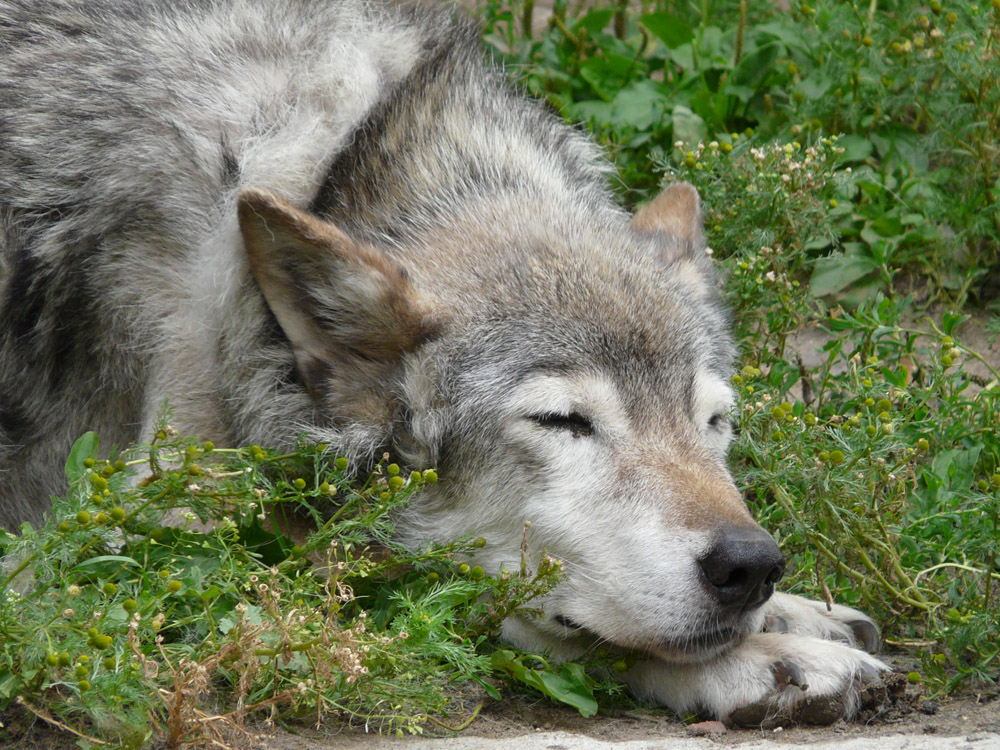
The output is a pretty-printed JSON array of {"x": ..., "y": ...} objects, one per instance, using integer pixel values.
[{"x": 577, "y": 424}]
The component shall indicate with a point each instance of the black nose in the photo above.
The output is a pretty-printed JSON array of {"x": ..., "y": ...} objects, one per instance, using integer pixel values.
[{"x": 742, "y": 567}]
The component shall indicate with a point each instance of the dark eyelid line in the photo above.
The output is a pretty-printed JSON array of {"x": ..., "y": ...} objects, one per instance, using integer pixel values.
[{"x": 575, "y": 422}]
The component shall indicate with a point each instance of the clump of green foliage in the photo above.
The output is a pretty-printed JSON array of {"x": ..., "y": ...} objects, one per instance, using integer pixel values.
[
  {"x": 911, "y": 87},
  {"x": 115, "y": 625},
  {"x": 847, "y": 159}
]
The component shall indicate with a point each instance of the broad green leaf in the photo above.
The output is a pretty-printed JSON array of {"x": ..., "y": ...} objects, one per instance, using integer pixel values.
[
  {"x": 9, "y": 685},
  {"x": 835, "y": 273},
  {"x": 668, "y": 28},
  {"x": 855, "y": 148},
  {"x": 887, "y": 226},
  {"x": 957, "y": 467},
  {"x": 85, "y": 447},
  {"x": 595, "y": 111},
  {"x": 788, "y": 33},
  {"x": 755, "y": 66},
  {"x": 638, "y": 105},
  {"x": 684, "y": 56},
  {"x": 688, "y": 126},
  {"x": 607, "y": 74},
  {"x": 597, "y": 20},
  {"x": 816, "y": 85},
  {"x": 569, "y": 685},
  {"x": 568, "y": 691},
  {"x": 100, "y": 559}
]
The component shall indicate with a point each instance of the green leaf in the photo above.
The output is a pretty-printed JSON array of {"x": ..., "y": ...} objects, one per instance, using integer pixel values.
[
  {"x": 837, "y": 272},
  {"x": 8, "y": 685},
  {"x": 957, "y": 468},
  {"x": 607, "y": 74},
  {"x": 950, "y": 321},
  {"x": 688, "y": 126},
  {"x": 887, "y": 226},
  {"x": 101, "y": 559},
  {"x": 668, "y": 28},
  {"x": 816, "y": 85},
  {"x": 594, "y": 111},
  {"x": 788, "y": 33},
  {"x": 597, "y": 20},
  {"x": 755, "y": 66},
  {"x": 569, "y": 691},
  {"x": 638, "y": 105},
  {"x": 570, "y": 685},
  {"x": 855, "y": 148},
  {"x": 85, "y": 447}
]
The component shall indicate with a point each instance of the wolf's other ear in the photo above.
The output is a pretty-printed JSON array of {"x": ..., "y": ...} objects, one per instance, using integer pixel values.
[
  {"x": 348, "y": 310},
  {"x": 675, "y": 216}
]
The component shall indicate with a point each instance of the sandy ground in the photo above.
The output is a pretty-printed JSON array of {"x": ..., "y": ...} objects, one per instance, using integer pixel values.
[{"x": 903, "y": 721}]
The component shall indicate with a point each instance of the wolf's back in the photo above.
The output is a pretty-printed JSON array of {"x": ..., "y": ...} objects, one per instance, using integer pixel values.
[
  {"x": 123, "y": 113},
  {"x": 127, "y": 129}
]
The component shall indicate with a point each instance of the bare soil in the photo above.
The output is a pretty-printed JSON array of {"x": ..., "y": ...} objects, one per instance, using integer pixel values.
[
  {"x": 892, "y": 708},
  {"x": 895, "y": 707}
]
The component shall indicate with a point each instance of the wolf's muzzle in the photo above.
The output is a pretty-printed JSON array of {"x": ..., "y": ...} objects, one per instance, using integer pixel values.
[{"x": 741, "y": 568}]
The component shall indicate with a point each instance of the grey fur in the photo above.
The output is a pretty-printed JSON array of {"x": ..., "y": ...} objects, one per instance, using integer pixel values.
[
  {"x": 336, "y": 218},
  {"x": 119, "y": 156}
]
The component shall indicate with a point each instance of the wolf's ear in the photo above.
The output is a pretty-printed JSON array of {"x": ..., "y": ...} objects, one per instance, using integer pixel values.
[
  {"x": 348, "y": 310},
  {"x": 675, "y": 216}
]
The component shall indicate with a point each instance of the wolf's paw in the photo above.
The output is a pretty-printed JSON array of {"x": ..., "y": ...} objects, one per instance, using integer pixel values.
[
  {"x": 768, "y": 679},
  {"x": 785, "y": 613}
]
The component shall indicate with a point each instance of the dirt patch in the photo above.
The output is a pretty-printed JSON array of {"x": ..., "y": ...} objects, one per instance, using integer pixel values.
[{"x": 892, "y": 708}]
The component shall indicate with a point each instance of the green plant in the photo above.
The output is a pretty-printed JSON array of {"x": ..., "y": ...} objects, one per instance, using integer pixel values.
[
  {"x": 912, "y": 92},
  {"x": 112, "y": 618},
  {"x": 846, "y": 156}
]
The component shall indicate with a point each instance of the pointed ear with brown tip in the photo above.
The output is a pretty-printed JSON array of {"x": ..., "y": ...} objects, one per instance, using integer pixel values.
[
  {"x": 673, "y": 219},
  {"x": 348, "y": 310},
  {"x": 675, "y": 216}
]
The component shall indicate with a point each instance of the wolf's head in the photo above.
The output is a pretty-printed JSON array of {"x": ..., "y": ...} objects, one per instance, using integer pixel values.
[{"x": 567, "y": 370}]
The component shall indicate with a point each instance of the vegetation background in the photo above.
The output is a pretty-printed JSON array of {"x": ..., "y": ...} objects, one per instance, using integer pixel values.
[{"x": 847, "y": 156}]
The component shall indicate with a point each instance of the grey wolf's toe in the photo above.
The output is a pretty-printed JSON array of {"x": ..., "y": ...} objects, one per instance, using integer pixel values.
[{"x": 866, "y": 634}]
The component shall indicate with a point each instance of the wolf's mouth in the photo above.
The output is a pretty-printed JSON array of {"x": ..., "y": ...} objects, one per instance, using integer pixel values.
[
  {"x": 568, "y": 623},
  {"x": 698, "y": 645}
]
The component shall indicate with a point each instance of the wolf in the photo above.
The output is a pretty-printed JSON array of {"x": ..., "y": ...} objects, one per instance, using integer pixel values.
[{"x": 337, "y": 218}]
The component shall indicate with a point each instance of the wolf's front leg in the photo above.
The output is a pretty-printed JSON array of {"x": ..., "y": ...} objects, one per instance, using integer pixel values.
[{"x": 769, "y": 677}]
